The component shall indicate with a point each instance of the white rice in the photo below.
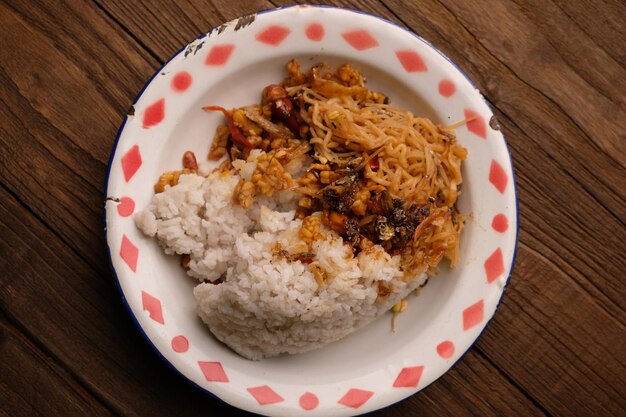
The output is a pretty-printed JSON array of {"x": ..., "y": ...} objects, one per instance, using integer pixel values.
[{"x": 267, "y": 305}]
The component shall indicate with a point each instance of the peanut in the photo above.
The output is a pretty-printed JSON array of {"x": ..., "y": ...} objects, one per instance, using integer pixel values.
[
  {"x": 273, "y": 92},
  {"x": 184, "y": 261},
  {"x": 189, "y": 161}
]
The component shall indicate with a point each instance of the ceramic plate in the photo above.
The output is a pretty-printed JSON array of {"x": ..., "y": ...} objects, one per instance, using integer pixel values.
[{"x": 373, "y": 367}]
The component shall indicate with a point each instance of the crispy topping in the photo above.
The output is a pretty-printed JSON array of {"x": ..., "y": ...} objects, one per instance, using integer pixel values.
[
  {"x": 184, "y": 261},
  {"x": 220, "y": 143},
  {"x": 319, "y": 274},
  {"x": 350, "y": 76},
  {"x": 169, "y": 178},
  {"x": 383, "y": 290},
  {"x": 384, "y": 230},
  {"x": 295, "y": 74},
  {"x": 310, "y": 230},
  {"x": 337, "y": 221},
  {"x": 244, "y": 193}
]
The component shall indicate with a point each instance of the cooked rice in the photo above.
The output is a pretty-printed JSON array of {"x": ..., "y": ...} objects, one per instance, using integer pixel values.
[{"x": 255, "y": 301}]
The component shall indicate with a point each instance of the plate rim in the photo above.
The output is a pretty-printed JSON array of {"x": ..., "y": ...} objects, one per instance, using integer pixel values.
[{"x": 114, "y": 150}]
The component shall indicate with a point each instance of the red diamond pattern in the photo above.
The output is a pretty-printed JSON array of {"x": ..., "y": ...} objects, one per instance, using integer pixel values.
[
  {"x": 476, "y": 123},
  {"x": 473, "y": 315},
  {"x": 153, "y": 306},
  {"x": 494, "y": 266},
  {"x": 213, "y": 371},
  {"x": 154, "y": 114},
  {"x": 273, "y": 35},
  {"x": 360, "y": 39},
  {"x": 409, "y": 377},
  {"x": 129, "y": 253},
  {"x": 125, "y": 207},
  {"x": 355, "y": 397},
  {"x": 500, "y": 223},
  {"x": 265, "y": 395},
  {"x": 411, "y": 61},
  {"x": 131, "y": 161},
  {"x": 219, "y": 54},
  {"x": 497, "y": 176}
]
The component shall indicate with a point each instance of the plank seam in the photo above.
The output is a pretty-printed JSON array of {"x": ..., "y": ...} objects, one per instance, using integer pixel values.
[
  {"x": 551, "y": 100},
  {"x": 152, "y": 53},
  {"x": 18, "y": 327},
  {"x": 513, "y": 383}
]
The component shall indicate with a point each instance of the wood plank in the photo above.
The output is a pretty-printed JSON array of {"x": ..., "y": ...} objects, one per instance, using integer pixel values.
[
  {"x": 166, "y": 28},
  {"x": 561, "y": 348},
  {"x": 86, "y": 327},
  {"x": 473, "y": 387},
  {"x": 62, "y": 103},
  {"x": 55, "y": 187},
  {"x": 558, "y": 337},
  {"x": 90, "y": 75},
  {"x": 556, "y": 211},
  {"x": 604, "y": 25},
  {"x": 541, "y": 53},
  {"x": 577, "y": 47},
  {"x": 375, "y": 7},
  {"x": 31, "y": 383}
]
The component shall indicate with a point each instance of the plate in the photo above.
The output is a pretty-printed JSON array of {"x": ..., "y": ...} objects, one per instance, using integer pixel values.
[{"x": 373, "y": 367}]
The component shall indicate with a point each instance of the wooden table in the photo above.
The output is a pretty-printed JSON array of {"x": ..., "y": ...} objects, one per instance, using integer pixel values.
[{"x": 554, "y": 72}]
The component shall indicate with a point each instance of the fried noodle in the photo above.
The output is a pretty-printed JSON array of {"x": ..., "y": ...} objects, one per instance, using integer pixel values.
[{"x": 418, "y": 161}]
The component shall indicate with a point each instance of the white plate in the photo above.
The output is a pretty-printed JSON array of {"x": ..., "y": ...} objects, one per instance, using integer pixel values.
[{"x": 373, "y": 367}]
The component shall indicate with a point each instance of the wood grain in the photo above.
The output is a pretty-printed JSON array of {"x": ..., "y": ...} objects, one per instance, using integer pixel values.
[
  {"x": 60, "y": 110},
  {"x": 186, "y": 20},
  {"x": 554, "y": 72},
  {"x": 56, "y": 392},
  {"x": 526, "y": 46}
]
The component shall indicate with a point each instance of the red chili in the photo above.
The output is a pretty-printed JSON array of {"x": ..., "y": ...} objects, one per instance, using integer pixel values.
[
  {"x": 282, "y": 109},
  {"x": 293, "y": 125},
  {"x": 374, "y": 163},
  {"x": 238, "y": 138}
]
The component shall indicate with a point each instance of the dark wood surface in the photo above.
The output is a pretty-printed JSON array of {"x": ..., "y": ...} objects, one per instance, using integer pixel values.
[{"x": 553, "y": 70}]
